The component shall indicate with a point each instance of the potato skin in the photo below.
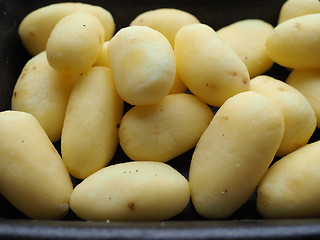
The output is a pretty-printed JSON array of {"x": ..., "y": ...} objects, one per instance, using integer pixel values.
[
  {"x": 43, "y": 92},
  {"x": 32, "y": 174},
  {"x": 131, "y": 191},
  {"x": 296, "y": 8},
  {"x": 75, "y": 43},
  {"x": 233, "y": 154},
  {"x": 290, "y": 188},
  {"x": 35, "y": 28},
  {"x": 143, "y": 65},
  {"x": 299, "y": 117},
  {"x": 295, "y": 43},
  {"x": 209, "y": 68},
  {"x": 90, "y": 133},
  {"x": 163, "y": 131},
  {"x": 168, "y": 21},
  {"x": 247, "y": 38},
  {"x": 308, "y": 83}
]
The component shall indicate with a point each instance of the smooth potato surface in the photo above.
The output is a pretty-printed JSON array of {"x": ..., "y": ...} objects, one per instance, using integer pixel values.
[
  {"x": 43, "y": 92},
  {"x": 164, "y": 130},
  {"x": 143, "y": 65},
  {"x": 233, "y": 154},
  {"x": 247, "y": 38},
  {"x": 209, "y": 68},
  {"x": 290, "y": 188},
  {"x": 90, "y": 131},
  {"x": 295, "y": 43},
  {"x": 32, "y": 174},
  {"x": 299, "y": 117},
  {"x": 35, "y": 28},
  {"x": 131, "y": 191}
]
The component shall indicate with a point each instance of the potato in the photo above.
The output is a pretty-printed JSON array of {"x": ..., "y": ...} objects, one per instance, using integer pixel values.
[
  {"x": 163, "y": 131},
  {"x": 299, "y": 117},
  {"x": 233, "y": 154},
  {"x": 308, "y": 83},
  {"x": 35, "y": 28},
  {"x": 209, "y": 68},
  {"x": 32, "y": 175},
  {"x": 247, "y": 38},
  {"x": 90, "y": 131},
  {"x": 43, "y": 92},
  {"x": 168, "y": 21},
  {"x": 143, "y": 65},
  {"x": 296, "y": 8},
  {"x": 131, "y": 191},
  {"x": 103, "y": 59},
  {"x": 290, "y": 188},
  {"x": 75, "y": 43},
  {"x": 295, "y": 43}
]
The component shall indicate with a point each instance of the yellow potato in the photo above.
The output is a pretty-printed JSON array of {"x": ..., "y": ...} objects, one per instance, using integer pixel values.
[
  {"x": 290, "y": 188},
  {"x": 75, "y": 43},
  {"x": 131, "y": 191},
  {"x": 163, "y": 131},
  {"x": 296, "y": 8},
  {"x": 90, "y": 131},
  {"x": 142, "y": 63},
  {"x": 43, "y": 92},
  {"x": 308, "y": 83},
  {"x": 233, "y": 154},
  {"x": 168, "y": 21},
  {"x": 295, "y": 43},
  {"x": 299, "y": 117},
  {"x": 35, "y": 28},
  {"x": 209, "y": 68},
  {"x": 103, "y": 59},
  {"x": 247, "y": 38},
  {"x": 32, "y": 174}
]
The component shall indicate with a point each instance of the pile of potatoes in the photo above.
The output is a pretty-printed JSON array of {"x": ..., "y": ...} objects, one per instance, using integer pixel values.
[{"x": 82, "y": 73}]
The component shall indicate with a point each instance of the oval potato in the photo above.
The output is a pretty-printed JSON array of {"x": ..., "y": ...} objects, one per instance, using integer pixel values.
[
  {"x": 295, "y": 43},
  {"x": 32, "y": 174},
  {"x": 308, "y": 83},
  {"x": 163, "y": 131},
  {"x": 43, "y": 92},
  {"x": 143, "y": 65},
  {"x": 290, "y": 188},
  {"x": 90, "y": 131},
  {"x": 168, "y": 21},
  {"x": 296, "y": 8},
  {"x": 233, "y": 153},
  {"x": 209, "y": 68},
  {"x": 75, "y": 43},
  {"x": 299, "y": 117},
  {"x": 131, "y": 191},
  {"x": 35, "y": 28},
  {"x": 247, "y": 38}
]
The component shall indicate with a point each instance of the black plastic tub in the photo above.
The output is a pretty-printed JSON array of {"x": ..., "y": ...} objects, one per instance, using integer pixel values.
[{"x": 245, "y": 223}]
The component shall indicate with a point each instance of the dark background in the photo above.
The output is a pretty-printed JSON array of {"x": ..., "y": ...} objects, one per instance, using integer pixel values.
[{"x": 245, "y": 223}]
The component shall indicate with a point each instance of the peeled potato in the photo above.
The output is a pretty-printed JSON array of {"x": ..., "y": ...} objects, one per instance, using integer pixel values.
[
  {"x": 296, "y": 8},
  {"x": 143, "y": 65},
  {"x": 209, "y": 68},
  {"x": 247, "y": 38},
  {"x": 168, "y": 21},
  {"x": 35, "y": 28},
  {"x": 162, "y": 131}
]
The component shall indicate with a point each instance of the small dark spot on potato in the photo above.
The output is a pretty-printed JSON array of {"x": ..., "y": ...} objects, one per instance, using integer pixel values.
[
  {"x": 161, "y": 110},
  {"x": 109, "y": 198},
  {"x": 298, "y": 26},
  {"x": 234, "y": 74},
  {"x": 156, "y": 175},
  {"x": 207, "y": 84},
  {"x": 225, "y": 118},
  {"x": 22, "y": 141},
  {"x": 118, "y": 125},
  {"x": 281, "y": 89},
  {"x": 222, "y": 134},
  {"x": 131, "y": 206},
  {"x": 34, "y": 68},
  {"x": 124, "y": 172},
  {"x": 31, "y": 34},
  {"x": 84, "y": 25},
  {"x": 245, "y": 80},
  {"x": 15, "y": 94},
  {"x": 137, "y": 170},
  {"x": 224, "y": 191},
  {"x": 245, "y": 58}
]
